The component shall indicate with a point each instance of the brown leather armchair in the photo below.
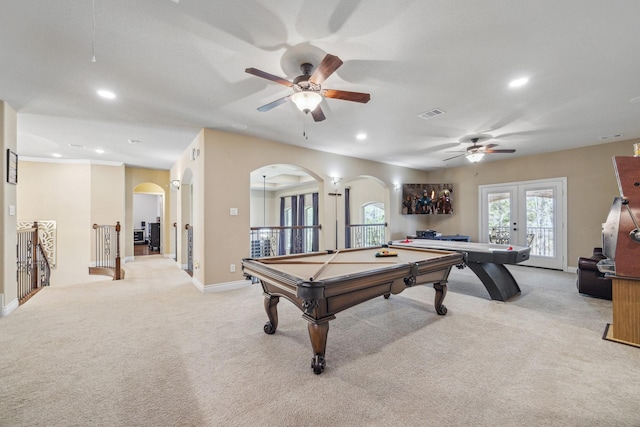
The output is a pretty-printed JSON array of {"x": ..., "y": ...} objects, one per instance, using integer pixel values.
[{"x": 590, "y": 280}]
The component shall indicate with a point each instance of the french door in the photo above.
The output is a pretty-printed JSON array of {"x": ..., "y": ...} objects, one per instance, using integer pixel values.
[{"x": 530, "y": 213}]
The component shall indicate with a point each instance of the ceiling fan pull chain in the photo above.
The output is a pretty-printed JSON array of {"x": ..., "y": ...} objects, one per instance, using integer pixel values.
[{"x": 304, "y": 128}]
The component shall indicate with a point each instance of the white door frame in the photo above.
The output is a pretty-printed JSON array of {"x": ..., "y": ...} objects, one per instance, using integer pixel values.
[{"x": 517, "y": 191}]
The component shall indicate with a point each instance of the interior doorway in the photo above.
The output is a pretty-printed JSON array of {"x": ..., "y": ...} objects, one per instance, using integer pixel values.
[
  {"x": 530, "y": 213},
  {"x": 148, "y": 213}
]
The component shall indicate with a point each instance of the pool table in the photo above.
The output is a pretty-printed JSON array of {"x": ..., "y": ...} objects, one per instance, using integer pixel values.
[
  {"x": 322, "y": 284},
  {"x": 486, "y": 260}
]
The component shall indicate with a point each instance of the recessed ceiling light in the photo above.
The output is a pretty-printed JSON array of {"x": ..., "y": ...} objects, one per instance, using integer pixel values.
[
  {"x": 56, "y": 155},
  {"x": 519, "y": 82},
  {"x": 99, "y": 151},
  {"x": 361, "y": 136},
  {"x": 106, "y": 94},
  {"x": 134, "y": 141}
]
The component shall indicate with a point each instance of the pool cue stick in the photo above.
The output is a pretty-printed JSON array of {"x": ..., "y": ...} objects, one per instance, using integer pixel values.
[
  {"x": 321, "y": 269},
  {"x": 322, "y": 262}
]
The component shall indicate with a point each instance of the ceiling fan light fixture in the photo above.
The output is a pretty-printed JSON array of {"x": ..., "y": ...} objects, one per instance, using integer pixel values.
[
  {"x": 475, "y": 157},
  {"x": 306, "y": 101}
]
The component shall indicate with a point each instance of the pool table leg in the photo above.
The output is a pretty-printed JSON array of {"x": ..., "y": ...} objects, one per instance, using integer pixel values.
[
  {"x": 318, "y": 334},
  {"x": 441, "y": 292},
  {"x": 271, "y": 307}
]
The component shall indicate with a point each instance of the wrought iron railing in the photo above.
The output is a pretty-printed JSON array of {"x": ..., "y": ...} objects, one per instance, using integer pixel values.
[
  {"x": 33, "y": 269},
  {"x": 365, "y": 235},
  {"x": 189, "y": 229},
  {"x": 175, "y": 240},
  {"x": 297, "y": 239},
  {"x": 107, "y": 251}
]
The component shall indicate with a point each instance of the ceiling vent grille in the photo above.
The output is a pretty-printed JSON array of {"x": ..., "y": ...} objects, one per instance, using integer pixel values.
[
  {"x": 431, "y": 113},
  {"x": 617, "y": 135}
]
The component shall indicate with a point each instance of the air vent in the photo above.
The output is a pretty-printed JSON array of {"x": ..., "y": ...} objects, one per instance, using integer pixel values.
[
  {"x": 77, "y": 146},
  {"x": 617, "y": 135},
  {"x": 431, "y": 113}
]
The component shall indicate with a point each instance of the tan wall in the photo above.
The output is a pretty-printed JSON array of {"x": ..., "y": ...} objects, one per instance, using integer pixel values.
[
  {"x": 75, "y": 195},
  {"x": 221, "y": 178},
  {"x": 190, "y": 201},
  {"x": 135, "y": 177},
  {"x": 228, "y": 162},
  {"x": 591, "y": 187},
  {"x": 8, "y": 138}
]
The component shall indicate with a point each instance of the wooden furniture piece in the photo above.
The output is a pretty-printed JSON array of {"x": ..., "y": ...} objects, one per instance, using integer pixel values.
[
  {"x": 154, "y": 235},
  {"x": 138, "y": 237},
  {"x": 322, "y": 284},
  {"x": 486, "y": 260},
  {"x": 626, "y": 312},
  {"x": 622, "y": 231}
]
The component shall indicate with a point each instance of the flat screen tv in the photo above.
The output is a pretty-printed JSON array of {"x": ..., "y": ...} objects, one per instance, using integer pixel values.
[{"x": 427, "y": 199}]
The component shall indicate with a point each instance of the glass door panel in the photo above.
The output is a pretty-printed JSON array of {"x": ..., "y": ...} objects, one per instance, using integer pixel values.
[
  {"x": 526, "y": 214},
  {"x": 499, "y": 216}
]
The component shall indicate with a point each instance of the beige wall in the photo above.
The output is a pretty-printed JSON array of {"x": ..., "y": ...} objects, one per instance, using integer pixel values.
[
  {"x": 222, "y": 174},
  {"x": 190, "y": 203},
  {"x": 8, "y": 138},
  {"x": 76, "y": 195},
  {"x": 591, "y": 187},
  {"x": 225, "y": 171}
]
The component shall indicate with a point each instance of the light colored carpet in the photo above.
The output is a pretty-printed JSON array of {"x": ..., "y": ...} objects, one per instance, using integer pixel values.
[{"x": 151, "y": 350}]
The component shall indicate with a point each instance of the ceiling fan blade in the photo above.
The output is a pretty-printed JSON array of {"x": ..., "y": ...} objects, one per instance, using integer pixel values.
[
  {"x": 346, "y": 95},
  {"x": 455, "y": 157},
  {"x": 265, "y": 75},
  {"x": 317, "y": 114},
  {"x": 490, "y": 146},
  {"x": 329, "y": 64},
  {"x": 274, "y": 104},
  {"x": 500, "y": 151}
]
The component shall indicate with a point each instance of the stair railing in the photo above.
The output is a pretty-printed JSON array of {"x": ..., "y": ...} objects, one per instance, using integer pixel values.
[
  {"x": 107, "y": 251},
  {"x": 33, "y": 269}
]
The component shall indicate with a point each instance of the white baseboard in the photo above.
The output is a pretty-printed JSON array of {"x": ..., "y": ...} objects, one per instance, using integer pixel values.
[
  {"x": 129, "y": 259},
  {"x": 220, "y": 287},
  {"x": 6, "y": 310},
  {"x": 172, "y": 256}
]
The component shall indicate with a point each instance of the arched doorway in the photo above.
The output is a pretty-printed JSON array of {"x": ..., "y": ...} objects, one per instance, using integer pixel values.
[
  {"x": 148, "y": 217},
  {"x": 284, "y": 211},
  {"x": 185, "y": 231},
  {"x": 366, "y": 203}
]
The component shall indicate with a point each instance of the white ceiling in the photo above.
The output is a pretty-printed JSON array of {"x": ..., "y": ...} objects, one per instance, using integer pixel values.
[{"x": 178, "y": 66}]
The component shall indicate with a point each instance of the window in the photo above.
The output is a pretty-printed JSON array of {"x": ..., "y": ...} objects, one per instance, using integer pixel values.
[
  {"x": 373, "y": 229},
  {"x": 373, "y": 213},
  {"x": 308, "y": 220},
  {"x": 287, "y": 233}
]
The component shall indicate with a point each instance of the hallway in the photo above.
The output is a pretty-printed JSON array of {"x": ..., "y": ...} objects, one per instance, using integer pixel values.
[{"x": 140, "y": 250}]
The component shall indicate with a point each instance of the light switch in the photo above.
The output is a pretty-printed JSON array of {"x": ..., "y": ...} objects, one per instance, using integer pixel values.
[
  {"x": 12, "y": 210},
  {"x": 233, "y": 211}
]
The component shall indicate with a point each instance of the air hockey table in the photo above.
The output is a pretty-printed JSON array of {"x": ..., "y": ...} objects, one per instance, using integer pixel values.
[{"x": 486, "y": 260}]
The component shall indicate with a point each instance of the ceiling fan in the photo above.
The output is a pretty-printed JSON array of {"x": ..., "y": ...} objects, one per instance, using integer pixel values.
[
  {"x": 476, "y": 152},
  {"x": 307, "y": 87}
]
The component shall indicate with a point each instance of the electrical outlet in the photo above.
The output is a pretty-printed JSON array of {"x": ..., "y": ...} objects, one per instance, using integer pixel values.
[{"x": 232, "y": 268}]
